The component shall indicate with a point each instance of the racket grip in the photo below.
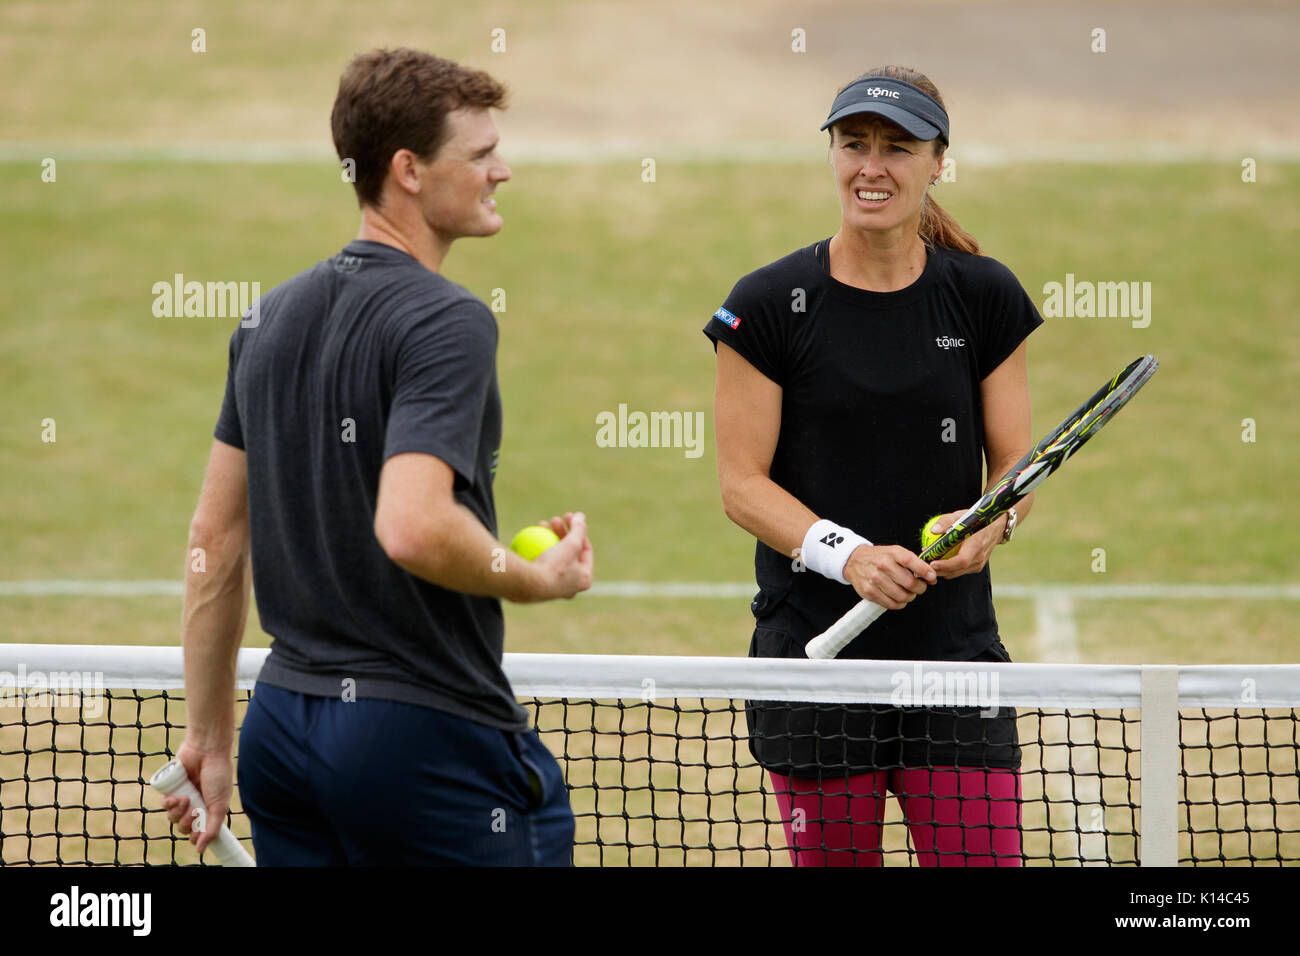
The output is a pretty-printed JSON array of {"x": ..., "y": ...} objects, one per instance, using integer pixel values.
[
  {"x": 836, "y": 637},
  {"x": 172, "y": 779}
]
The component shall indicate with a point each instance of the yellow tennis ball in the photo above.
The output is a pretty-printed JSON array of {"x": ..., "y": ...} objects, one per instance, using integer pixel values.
[
  {"x": 533, "y": 540},
  {"x": 928, "y": 537}
]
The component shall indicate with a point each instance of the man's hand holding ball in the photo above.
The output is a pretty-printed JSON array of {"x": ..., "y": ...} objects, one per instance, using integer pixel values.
[{"x": 561, "y": 551}]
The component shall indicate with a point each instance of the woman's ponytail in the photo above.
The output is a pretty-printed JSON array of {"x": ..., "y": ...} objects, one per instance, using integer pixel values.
[{"x": 939, "y": 228}]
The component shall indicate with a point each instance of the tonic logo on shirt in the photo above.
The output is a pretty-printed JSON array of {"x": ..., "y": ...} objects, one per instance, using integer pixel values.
[
  {"x": 732, "y": 321},
  {"x": 948, "y": 342}
]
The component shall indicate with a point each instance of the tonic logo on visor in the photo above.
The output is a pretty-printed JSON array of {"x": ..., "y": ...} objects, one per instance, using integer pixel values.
[{"x": 876, "y": 91}]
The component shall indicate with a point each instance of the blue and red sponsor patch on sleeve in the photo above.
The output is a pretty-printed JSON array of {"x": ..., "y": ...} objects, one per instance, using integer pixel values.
[{"x": 732, "y": 321}]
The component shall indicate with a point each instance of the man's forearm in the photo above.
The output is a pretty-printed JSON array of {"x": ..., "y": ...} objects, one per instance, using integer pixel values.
[
  {"x": 458, "y": 553},
  {"x": 216, "y": 607}
]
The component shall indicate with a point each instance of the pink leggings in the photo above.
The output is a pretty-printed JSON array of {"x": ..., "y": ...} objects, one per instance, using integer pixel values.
[{"x": 965, "y": 816}]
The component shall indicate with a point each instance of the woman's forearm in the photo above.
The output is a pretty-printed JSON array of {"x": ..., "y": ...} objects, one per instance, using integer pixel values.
[{"x": 768, "y": 512}]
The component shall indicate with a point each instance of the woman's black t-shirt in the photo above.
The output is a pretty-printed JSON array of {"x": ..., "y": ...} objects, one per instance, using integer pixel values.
[{"x": 881, "y": 427}]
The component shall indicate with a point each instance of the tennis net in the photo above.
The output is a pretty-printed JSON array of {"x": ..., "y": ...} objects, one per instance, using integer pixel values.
[{"x": 1117, "y": 765}]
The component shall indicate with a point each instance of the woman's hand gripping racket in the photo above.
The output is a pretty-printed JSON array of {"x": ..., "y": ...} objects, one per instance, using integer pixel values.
[
  {"x": 1045, "y": 457},
  {"x": 172, "y": 778}
]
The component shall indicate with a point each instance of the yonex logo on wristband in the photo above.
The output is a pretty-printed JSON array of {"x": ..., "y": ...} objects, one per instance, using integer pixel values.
[
  {"x": 947, "y": 342},
  {"x": 821, "y": 551},
  {"x": 731, "y": 320}
]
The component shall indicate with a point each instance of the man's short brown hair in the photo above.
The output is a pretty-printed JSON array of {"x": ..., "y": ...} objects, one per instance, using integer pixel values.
[{"x": 399, "y": 99}]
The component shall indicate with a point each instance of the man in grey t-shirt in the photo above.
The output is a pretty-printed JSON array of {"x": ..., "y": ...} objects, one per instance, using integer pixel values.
[{"x": 353, "y": 463}]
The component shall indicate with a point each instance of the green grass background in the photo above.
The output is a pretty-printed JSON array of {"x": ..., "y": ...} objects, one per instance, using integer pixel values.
[{"x": 608, "y": 280}]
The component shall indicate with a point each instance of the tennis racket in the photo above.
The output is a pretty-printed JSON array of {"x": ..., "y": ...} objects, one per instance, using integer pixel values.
[
  {"x": 173, "y": 779},
  {"x": 1026, "y": 475}
]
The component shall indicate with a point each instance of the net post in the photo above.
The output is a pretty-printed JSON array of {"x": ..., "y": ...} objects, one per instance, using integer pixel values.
[{"x": 1160, "y": 765}]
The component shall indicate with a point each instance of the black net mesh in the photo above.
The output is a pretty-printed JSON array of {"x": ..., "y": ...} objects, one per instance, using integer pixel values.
[{"x": 674, "y": 782}]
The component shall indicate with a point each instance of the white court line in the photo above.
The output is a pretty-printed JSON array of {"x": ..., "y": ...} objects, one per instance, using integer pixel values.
[
  {"x": 523, "y": 152},
  {"x": 690, "y": 589},
  {"x": 1146, "y": 592},
  {"x": 1072, "y": 785},
  {"x": 91, "y": 588},
  {"x": 679, "y": 589},
  {"x": 1058, "y": 635}
]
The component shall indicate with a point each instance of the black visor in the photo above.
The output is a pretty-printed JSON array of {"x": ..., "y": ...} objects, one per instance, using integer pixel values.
[{"x": 899, "y": 102}]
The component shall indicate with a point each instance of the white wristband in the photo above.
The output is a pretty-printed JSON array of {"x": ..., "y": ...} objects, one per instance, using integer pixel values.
[{"x": 826, "y": 549}]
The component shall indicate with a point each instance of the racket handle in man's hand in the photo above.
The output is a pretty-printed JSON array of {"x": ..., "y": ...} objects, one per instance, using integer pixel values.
[{"x": 172, "y": 779}]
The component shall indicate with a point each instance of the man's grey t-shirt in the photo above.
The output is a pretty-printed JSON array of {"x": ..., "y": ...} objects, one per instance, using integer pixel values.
[{"x": 365, "y": 356}]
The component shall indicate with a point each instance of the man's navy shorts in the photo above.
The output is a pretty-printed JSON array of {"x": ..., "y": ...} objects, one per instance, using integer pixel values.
[{"x": 328, "y": 782}]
